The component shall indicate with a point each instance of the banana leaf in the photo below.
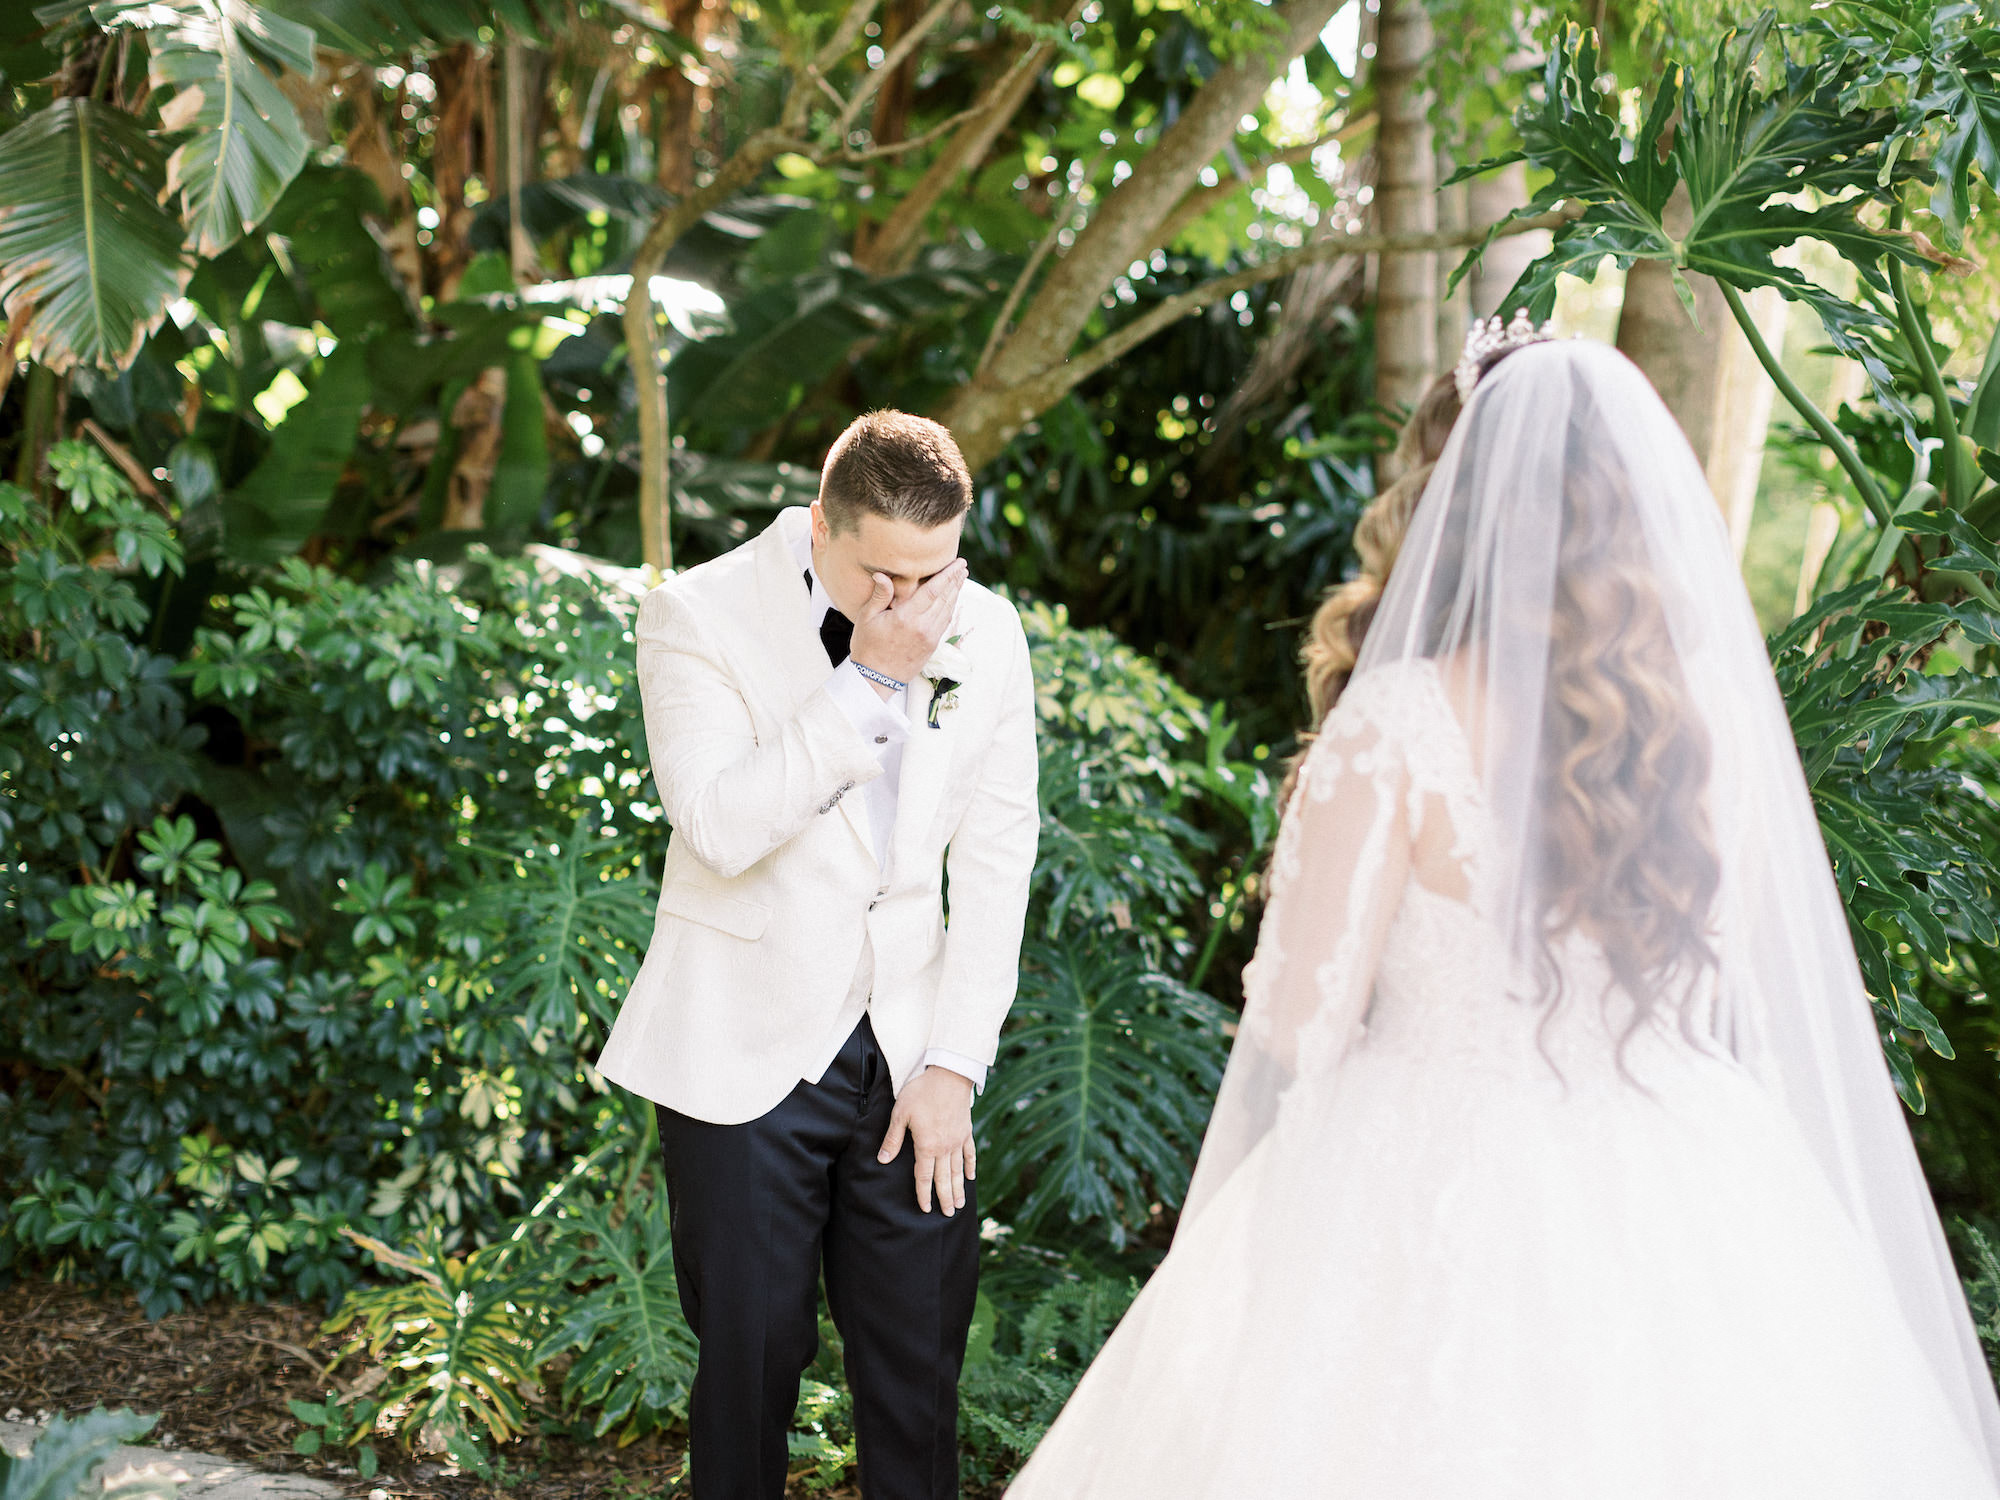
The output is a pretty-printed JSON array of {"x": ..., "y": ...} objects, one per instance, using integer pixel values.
[
  {"x": 89, "y": 261},
  {"x": 280, "y": 504},
  {"x": 341, "y": 265},
  {"x": 521, "y": 470},
  {"x": 220, "y": 58}
]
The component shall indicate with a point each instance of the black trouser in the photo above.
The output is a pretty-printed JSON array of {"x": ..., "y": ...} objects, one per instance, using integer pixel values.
[{"x": 757, "y": 1209}]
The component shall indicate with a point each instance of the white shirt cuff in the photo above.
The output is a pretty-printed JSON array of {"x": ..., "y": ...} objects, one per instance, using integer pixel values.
[
  {"x": 881, "y": 721},
  {"x": 958, "y": 1062}
]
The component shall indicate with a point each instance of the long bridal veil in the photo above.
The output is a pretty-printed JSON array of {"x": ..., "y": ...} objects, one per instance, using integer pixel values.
[{"x": 1567, "y": 549}]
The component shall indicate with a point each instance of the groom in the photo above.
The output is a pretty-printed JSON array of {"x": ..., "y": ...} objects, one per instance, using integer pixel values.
[{"x": 839, "y": 723}]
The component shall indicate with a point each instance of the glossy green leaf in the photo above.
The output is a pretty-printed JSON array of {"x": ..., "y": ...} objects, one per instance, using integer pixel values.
[
  {"x": 1770, "y": 152},
  {"x": 87, "y": 256},
  {"x": 219, "y": 58},
  {"x": 1096, "y": 1106},
  {"x": 68, "y": 1450},
  {"x": 634, "y": 1355},
  {"x": 789, "y": 336},
  {"x": 1939, "y": 60},
  {"x": 568, "y": 928},
  {"x": 521, "y": 468},
  {"x": 283, "y": 500},
  {"x": 323, "y": 218},
  {"x": 383, "y": 31}
]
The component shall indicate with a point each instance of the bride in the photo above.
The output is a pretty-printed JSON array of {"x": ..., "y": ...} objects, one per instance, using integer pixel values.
[{"x": 1556, "y": 1157}]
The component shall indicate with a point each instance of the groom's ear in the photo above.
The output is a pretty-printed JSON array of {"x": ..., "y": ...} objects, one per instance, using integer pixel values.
[{"x": 821, "y": 530}]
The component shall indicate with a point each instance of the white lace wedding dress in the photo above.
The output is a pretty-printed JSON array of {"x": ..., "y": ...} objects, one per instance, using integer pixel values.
[
  {"x": 1474, "y": 1253},
  {"x": 1471, "y": 1220}
]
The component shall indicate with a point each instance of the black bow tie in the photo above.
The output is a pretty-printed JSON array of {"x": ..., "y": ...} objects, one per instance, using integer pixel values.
[{"x": 836, "y": 631}]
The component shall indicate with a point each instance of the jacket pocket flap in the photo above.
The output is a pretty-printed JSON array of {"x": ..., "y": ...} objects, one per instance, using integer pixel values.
[{"x": 697, "y": 903}]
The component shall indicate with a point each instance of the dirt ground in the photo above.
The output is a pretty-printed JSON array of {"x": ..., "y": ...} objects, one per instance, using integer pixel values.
[{"x": 220, "y": 1376}]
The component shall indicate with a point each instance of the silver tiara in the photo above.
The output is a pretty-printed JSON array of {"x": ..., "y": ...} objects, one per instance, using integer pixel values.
[{"x": 1488, "y": 337}]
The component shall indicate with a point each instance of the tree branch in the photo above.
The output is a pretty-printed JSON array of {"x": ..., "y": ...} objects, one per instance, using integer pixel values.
[
  {"x": 1200, "y": 201},
  {"x": 1026, "y": 279},
  {"x": 1208, "y": 293},
  {"x": 905, "y": 45},
  {"x": 982, "y": 124},
  {"x": 911, "y": 143},
  {"x": 669, "y": 224},
  {"x": 1020, "y": 403},
  {"x": 842, "y": 41},
  {"x": 1127, "y": 225}
]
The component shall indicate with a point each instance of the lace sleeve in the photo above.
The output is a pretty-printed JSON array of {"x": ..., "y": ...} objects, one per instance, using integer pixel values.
[{"x": 1337, "y": 880}]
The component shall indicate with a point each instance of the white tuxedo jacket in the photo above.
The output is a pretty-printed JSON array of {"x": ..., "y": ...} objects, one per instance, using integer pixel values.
[{"x": 770, "y": 883}]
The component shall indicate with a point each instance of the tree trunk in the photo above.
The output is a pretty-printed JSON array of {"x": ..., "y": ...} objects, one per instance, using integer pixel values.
[
  {"x": 517, "y": 153},
  {"x": 1743, "y": 400},
  {"x": 460, "y": 78},
  {"x": 372, "y": 148},
  {"x": 682, "y": 108},
  {"x": 1406, "y": 285},
  {"x": 1680, "y": 357},
  {"x": 1454, "y": 309},
  {"x": 985, "y": 413},
  {"x": 892, "y": 113},
  {"x": 477, "y": 415},
  {"x": 1492, "y": 198},
  {"x": 1707, "y": 376}
]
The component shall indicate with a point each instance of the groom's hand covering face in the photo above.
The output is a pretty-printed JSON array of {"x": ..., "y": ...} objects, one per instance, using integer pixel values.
[{"x": 896, "y": 580}]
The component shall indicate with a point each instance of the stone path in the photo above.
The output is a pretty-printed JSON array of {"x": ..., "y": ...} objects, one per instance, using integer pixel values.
[{"x": 208, "y": 1477}]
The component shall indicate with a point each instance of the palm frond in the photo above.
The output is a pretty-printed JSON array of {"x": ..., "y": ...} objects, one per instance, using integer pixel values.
[
  {"x": 635, "y": 1356},
  {"x": 88, "y": 258},
  {"x": 1102, "y": 1090},
  {"x": 219, "y": 57}
]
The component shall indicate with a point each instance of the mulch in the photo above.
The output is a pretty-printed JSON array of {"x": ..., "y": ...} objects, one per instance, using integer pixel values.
[{"x": 220, "y": 1374}]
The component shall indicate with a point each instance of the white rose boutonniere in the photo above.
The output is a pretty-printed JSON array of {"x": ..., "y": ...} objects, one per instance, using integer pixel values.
[{"x": 946, "y": 672}]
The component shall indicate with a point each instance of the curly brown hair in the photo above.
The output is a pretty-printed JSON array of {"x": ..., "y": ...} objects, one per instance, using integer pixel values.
[
  {"x": 1625, "y": 858},
  {"x": 1333, "y": 640}
]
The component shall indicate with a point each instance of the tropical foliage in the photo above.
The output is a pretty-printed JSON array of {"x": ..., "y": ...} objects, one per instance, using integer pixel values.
[
  {"x": 71, "y": 1455},
  {"x": 327, "y": 397},
  {"x": 1827, "y": 135},
  {"x": 286, "y": 1006}
]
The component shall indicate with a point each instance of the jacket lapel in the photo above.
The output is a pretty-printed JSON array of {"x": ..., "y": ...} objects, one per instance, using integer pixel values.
[
  {"x": 926, "y": 759},
  {"x": 782, "y": 608}
]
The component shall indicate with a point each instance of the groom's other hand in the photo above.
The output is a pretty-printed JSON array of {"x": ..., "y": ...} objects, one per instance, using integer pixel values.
[
  {"x": 897, "y": 636},
  {"x": 936, "y": 1109}
]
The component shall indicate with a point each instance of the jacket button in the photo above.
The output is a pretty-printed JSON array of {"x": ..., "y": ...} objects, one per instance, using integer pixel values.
[{"x": 881, "y": 739}]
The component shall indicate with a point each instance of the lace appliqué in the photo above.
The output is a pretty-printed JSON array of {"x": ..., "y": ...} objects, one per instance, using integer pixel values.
[{"x": 1392, "y": 742}]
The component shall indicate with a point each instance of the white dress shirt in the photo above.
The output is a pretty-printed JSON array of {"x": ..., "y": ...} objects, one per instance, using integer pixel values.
[{"x": 885, "y": 724}]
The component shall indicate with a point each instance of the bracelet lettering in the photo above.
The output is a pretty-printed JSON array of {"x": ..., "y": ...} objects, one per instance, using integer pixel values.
[{"x": 882, "y": 677}]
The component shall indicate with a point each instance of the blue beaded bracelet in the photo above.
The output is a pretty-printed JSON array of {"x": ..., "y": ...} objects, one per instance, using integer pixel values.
[{"x": 882, "y": 677}]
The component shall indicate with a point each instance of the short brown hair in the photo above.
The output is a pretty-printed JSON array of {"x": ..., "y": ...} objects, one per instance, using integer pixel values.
[{"x": 892, "y": 464}]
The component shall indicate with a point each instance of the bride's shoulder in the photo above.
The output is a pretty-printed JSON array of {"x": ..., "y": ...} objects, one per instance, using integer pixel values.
[{"x": 1393, "y": 696}]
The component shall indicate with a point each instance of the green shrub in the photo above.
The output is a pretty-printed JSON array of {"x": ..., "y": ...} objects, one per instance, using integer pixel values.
[
  {"x": 1013, "y": 1391},
  {"x": 319, "y": 927},
  {"x": 70, "y": 1455},
  {"x": 316, "y": 928}
]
